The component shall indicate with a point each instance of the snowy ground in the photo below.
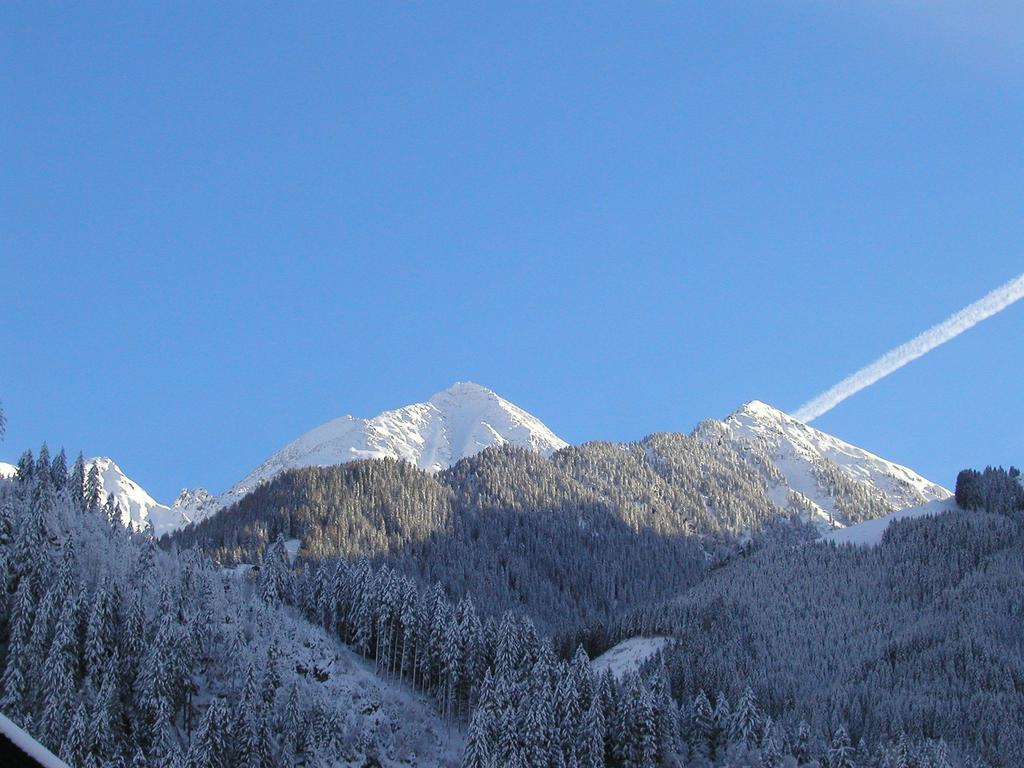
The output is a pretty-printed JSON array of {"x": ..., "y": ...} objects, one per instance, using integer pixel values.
[
  {"x": 373, "y": 716},
  {"x": 628, "y": 655},
  {"x": 869, "y": 533},
  {"x": 403, "y": 725}
]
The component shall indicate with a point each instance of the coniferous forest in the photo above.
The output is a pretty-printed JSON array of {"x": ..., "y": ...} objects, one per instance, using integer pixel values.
[{"x": 379, "y": 645}]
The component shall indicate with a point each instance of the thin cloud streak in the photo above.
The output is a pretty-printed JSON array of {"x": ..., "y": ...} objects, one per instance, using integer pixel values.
[{"x": 991, "y": 304}]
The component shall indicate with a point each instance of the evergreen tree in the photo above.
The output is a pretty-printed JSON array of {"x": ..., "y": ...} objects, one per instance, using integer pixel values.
[
  {"x": 164, "y": 751},
  {"x": 802, "y": 747},
  {"x": 59, "y": 471},
  {"x": 254, "y": 747},
  {"x": 112, "y": 511},
  {"x": 105, "y": 724},
  {"x": 77, "y": 483},
  {"x": 291, "y": 723},
  {"x": 74, "y": 745},
  {"x": 477, "y": 753},
  {"x": 42, "y": 468},
  {"x": 93, "y": 489},
  {"x": 14, "y": 681},
  {"x": 745, "y": 723},
  {"x": 26, "y": 468},
  {"x": 701, "y": 729},
  {"x": 592, "y": 744},
  {"x": 840, "y": 753},
  {"x": 211, "y": 747},
  {"x": 61, "y": 666},
  {"x": 274, "y": 573}
]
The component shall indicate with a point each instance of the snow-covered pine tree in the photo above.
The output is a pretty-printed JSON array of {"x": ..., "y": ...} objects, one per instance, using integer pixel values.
[
  {"x": 477, "y": 753},
  {"x": 14, "y": 681},
  {"x": 253, "y": 746},
  {"x": 274, "y": 573},
  {"x": 26, "y": 469},
  {"x": 61, "y": 665},
  {"x": 211, "y": 745},
  {"x": 93, "y": 489},
  {"x": 42, "y": 468},
  {"x": 591, "y": 746},
  {"x": 745, "y": 723},
  {"x": 59, "y": 471},
  {"x": 841, "y": 753},
  {"x": 76, "y": 483},
  {"x": 291, "y": 723},
  {"x": 74, "y": 744}
]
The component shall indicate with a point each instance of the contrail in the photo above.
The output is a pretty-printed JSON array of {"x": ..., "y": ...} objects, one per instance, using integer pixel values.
[{"x": 966, "y": 318}]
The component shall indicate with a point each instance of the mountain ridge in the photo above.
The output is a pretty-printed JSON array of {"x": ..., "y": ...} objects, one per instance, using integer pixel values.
[{"x": 817, "y": 476}]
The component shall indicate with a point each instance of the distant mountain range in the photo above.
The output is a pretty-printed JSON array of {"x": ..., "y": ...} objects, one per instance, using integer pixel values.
[{"x": 807, "y": 472}]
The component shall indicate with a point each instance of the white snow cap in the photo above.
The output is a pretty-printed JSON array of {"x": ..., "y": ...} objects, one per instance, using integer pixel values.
[
  {"x": 453, "y": 424},
  {"x": 138, "y": 509},
  {"x": 801, "y": 453}
]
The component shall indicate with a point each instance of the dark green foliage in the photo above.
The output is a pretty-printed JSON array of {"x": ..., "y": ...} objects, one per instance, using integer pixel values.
[
  {"x": 995, "y": 489},
  {"x": 572, "y": 540},
  {"x": 920, "y": 634}
]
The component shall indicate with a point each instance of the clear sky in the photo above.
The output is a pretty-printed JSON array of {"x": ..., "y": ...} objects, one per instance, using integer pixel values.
[{"x": 223, "y": 224}]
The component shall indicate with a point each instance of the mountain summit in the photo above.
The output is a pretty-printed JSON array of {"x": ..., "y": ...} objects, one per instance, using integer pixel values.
[
  {"x": 827, "y": 480},
  {"x": 455, "y": 423}
]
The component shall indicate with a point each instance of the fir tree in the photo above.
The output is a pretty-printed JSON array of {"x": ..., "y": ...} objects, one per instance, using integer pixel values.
[
  {"x": 77, "y": 483},
  {"x": 477, "y": 753},
  {"x": 14, "y": 681},
  {"x": 745, "y": 722},
  {"x": 93, "y": 489},
  {"x": 74, "y": 746},
  {"x": 840, "y": 753},
  {"x": 291, "y": 723},
  {"x": 211, "y": 747},
  {"x": 274, "y": 573},
  {"x": 26, "y": 469},
  {"x": 61, "y": 666},
  {"x": 59, "y": 471},
  {"x": 592, "y": 744}
]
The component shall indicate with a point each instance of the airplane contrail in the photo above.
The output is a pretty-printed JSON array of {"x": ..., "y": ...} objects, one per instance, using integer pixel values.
[{"x": 966, "y": 318}]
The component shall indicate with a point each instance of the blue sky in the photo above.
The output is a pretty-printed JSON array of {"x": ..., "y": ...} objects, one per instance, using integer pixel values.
[{"x": 225, "y": 225}]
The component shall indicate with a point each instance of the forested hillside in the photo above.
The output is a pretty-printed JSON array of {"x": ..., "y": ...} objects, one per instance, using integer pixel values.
[
  {"x": 923, "y": 634},
  {"x": 507, "y": 528},
  {"x": 116, "y": 653},
  {"x": 572, "y": 539}
]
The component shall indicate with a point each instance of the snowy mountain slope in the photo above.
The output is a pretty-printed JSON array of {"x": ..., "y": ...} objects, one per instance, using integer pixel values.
[
  {"x": 374, "y": 715},
  {"x": 869, "y": 533},
  {"x": 831, "y": 482},
  {"x": 628, "y": 655},
  {"x": 138, "y": 508},
  {"x": 453, "y": 424},
  {"x": 7, "y": 471}
]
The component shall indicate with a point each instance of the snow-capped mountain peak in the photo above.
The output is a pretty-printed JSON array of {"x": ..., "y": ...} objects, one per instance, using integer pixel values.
[
  {"x": 454, "y": 423},
  {"x": 139, "y": 510},
  {"x": 832, "y": 481}
]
